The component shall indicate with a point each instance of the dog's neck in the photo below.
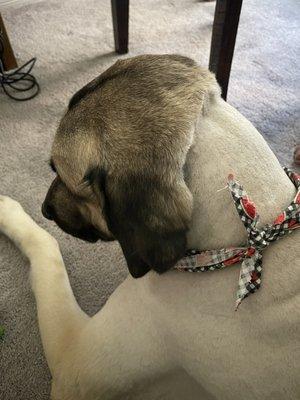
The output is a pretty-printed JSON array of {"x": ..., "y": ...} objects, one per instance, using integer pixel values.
[{"x": 225, "y": 142}]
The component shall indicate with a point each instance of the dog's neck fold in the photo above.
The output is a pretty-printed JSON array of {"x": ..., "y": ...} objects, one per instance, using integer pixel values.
[{"x": 221, "y": 147}]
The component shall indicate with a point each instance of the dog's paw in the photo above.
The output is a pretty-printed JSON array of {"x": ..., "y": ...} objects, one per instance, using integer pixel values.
[
  {"x": 18, "y": 226},
  {"x": 10, "y": 212}
]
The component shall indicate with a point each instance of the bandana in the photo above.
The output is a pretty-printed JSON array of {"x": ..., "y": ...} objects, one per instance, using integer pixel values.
[{"x": 258, "y": 239}]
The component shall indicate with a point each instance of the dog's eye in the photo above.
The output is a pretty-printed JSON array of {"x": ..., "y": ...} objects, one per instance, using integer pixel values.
[{"x": 52, "y": 166}]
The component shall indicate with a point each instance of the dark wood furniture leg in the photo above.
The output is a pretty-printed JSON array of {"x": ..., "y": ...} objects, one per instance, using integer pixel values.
[
  {"x": 120, "y": 15},
  {"x": 226, "y": 21},
  {"x": 8, "y": 57}
]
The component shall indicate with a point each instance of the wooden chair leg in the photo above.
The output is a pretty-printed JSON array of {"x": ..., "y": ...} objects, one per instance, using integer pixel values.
[
  {"x": 8, "y": 57},
  {"x": 120, "y": 15},
  {"x": 226, "y": 21}
]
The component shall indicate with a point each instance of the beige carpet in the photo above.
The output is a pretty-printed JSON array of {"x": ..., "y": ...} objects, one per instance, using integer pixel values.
[{"x": 73, "y": 43}]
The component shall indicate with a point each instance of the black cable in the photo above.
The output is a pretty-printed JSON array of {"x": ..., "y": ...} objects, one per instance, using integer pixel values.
[{"x": 18, "y": 80}]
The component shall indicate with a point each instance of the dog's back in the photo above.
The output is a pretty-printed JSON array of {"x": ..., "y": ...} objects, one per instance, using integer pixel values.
[{"x": 251, "y": 353}]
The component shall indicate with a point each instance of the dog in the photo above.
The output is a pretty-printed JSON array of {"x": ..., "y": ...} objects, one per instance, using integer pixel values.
[{"x": 140, "y": 156}]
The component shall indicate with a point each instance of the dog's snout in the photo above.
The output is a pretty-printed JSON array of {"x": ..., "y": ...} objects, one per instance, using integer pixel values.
[{"x": 47, "y": 211}]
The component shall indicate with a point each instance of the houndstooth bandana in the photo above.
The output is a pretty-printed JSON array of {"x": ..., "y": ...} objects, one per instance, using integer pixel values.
[{"x": 258, "y": 239}]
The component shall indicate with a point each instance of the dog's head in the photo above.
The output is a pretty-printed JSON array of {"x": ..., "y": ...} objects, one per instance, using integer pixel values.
[{"x": 119, "y": 155}]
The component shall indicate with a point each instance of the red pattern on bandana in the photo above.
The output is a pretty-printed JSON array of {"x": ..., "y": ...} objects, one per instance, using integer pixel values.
[
  {"x": 233, "y": 260},
  {"x": 279, "y": 220},
  {"x": 248, "y": 207},
  {"x": 250, "y": 251},
  {"x": 254, "y": 276}
]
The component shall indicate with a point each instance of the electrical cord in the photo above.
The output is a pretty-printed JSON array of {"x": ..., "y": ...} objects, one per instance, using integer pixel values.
[{"x": 19, "y": 80}]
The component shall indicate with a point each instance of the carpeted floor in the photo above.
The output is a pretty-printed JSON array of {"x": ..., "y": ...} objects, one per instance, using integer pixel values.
[{"x": 73, "y": 42}]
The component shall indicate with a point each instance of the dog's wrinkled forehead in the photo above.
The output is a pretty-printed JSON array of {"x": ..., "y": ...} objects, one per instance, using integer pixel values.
[
  {"x": 73, "y": 155},
  {"x": 112, "y": 121}
]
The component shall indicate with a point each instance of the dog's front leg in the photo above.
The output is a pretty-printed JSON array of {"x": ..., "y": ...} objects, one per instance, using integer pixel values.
[
  {"x": 102, "y": 357},
  {"x": 60, "y": 318}
]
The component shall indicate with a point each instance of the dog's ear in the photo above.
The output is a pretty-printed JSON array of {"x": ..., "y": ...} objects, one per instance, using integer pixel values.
[{"x": 150, "y": 217}]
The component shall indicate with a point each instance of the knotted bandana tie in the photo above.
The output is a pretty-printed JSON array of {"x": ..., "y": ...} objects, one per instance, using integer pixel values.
[{"x": 258, "y": 239}]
